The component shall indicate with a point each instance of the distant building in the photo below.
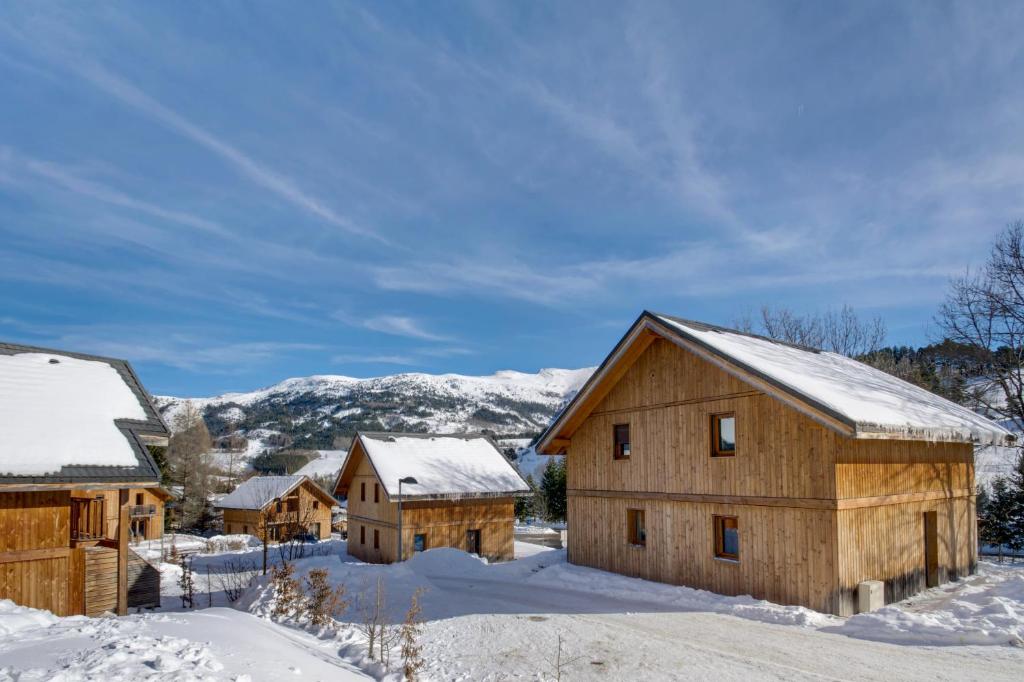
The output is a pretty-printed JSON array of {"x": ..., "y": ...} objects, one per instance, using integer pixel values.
[
  {"x": 76, "y": 478},
  {"x": 724, "y": 461},
  {"x": 280, "y": 507},
  {"x": 463, "y": 496}
]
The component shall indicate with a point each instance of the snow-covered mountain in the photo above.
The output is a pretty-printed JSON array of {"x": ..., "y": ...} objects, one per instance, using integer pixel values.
[{"x": 320, "y": 412}]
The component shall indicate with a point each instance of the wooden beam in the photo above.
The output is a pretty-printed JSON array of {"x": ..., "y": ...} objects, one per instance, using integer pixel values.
[
  {"x": 34, "y": 554},
  {"x": 122, "y": 552}
]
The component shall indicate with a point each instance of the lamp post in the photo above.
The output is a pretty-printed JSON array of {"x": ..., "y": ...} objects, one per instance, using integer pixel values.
[{"x": 408, "y": 480}]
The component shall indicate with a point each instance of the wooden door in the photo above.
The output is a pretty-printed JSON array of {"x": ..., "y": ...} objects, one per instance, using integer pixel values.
[
  {"x": 473, "y": 541},
  {"x": 931, "y": 549}
]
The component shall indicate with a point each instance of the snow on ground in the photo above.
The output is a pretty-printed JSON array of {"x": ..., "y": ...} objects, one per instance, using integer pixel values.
[
  {"x": 327, "y": 464},
  {"x": 503, "y": 621}
]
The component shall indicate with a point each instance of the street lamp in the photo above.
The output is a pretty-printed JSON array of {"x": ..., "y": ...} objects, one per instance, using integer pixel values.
[{"x": 408, "y": 480}]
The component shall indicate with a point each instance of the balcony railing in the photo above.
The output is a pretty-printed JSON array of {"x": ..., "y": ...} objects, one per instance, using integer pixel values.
[{"x": 142, "y": 510}]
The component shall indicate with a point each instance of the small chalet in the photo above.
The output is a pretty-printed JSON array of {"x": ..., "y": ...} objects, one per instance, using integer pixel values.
[
  {"x": 456, "y": 491},
  {"x": 702, "y": 456},
  {"x": 278, "y": 508},
  {"x": 76, "y": 481}
]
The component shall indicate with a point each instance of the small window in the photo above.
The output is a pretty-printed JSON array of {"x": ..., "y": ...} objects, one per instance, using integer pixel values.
[
  {"x": 376, "y": 539},
  {"x": 277, "y": 508},
  {"x": 376, "y": 493},
  {"x": 362, "y": 535},
  {"x": 723, "y": 435},
  {"x": 245, "y": 530},
  {"x": 138, "y": 499},
  {"x": 727, "y": 537},
  {"x": 419, "y": 542},
  {"x": 362, "y": 491},
  {"x": 621, "y": 436},
  {"x": 316, "y": 504},
  {"x": 636, "y": 527}
]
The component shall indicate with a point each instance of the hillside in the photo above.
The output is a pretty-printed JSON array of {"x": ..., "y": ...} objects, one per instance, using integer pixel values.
[{"x": 322, "y": 412}]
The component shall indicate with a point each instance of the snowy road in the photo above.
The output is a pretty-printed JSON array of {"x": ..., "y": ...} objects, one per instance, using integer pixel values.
[{"x": 617, "y": 639}]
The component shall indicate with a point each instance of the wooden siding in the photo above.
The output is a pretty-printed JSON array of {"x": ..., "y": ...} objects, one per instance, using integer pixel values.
[
  {"x": 818, "y": 511},
  {"x": 100, "y": 580},
  {"x": 155, "y": 526},
  {"x": 36, "y": 520},
  {"x": 680, "y": 547},
  {"x": 668, "y": 397},
  {"x": 444, "y": 522}
]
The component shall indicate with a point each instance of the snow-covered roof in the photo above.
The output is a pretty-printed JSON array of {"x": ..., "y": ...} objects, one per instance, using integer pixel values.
[
  {"x": 71, "y": 416},
  {"x": 872, "y": 400},
  {"x": 851, "y": 396},
  {"x": 258, "y": 492},
  {"x": 327, "y": 463},
  {"x": 464, "y": 465}
]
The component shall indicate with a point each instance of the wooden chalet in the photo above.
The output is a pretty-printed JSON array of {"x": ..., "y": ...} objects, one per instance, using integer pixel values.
[
  {"x": 73, "y": 461},
  {"x": 463, "y": 496},
  {"x": 702, "y": 456},
  {"x": 277, "y": 508}
]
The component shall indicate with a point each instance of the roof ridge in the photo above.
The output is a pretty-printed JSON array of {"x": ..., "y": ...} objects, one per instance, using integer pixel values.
[{"x": 707, "y": 326}]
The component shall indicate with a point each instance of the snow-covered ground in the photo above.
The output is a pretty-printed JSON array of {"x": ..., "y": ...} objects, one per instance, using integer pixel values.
[{"x": 504, "y": 621}]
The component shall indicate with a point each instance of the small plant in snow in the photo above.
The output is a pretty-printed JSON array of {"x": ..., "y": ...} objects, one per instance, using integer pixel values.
[
  {"x": 236, "y": 576},
  {"x": 373, "y": 621},
  {"x": 187, "y": 584},
  {"x": 289, "y": 599},
  {"x": 560, "y": 662},
  {"x": 411, "y": 649},
  {"x": 324, "y": 602}
]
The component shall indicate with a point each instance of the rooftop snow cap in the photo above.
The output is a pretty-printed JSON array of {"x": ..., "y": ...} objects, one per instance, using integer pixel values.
[
  {"x": 846, "y": 395},
  {"x": 258, "y": 492},
  {"x": 443, "y": 465},
  {"x": 72, "y": 417}
]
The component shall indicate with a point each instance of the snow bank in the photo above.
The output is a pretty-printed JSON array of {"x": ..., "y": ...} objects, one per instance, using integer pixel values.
[
  {"x": 14, "y": 618},
  {"x": 441, "y": 465},
  {"x": 984, "y": 609},
  {"x": 610, "y": 585},
  {"x": 874, "y": 400},
  {"x": 74, "y": 402}
]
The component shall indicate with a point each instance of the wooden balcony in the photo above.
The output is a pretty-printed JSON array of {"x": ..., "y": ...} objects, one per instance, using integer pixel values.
[
  {"x": 88, "y": 521},
  {"x": 140, "y": 510}
]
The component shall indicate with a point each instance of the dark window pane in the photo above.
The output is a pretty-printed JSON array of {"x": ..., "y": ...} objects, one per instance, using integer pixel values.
[
  {"x": 731, "y": 541},
  {"x": 419, "y": 543},
  {"x": 727, "y": 434},
  {"x": 622, "y": 445}
]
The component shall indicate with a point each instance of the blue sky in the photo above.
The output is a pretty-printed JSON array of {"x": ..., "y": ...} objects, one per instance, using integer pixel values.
[{"x": 228, "y": 194}]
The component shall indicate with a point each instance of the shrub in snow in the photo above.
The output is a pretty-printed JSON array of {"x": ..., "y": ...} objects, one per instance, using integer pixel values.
[
  {"x": 289, "y": 601},
  {"x": 187, "y": 584},
  {"x": 324, "y": 602},
  {"x": 411, "y": 649},
  {"x": 373, "y": 622},
  {"x": 236, "y": 576}
]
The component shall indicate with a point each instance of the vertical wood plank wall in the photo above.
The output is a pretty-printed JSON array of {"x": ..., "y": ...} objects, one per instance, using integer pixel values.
[
  {"x": 444, "y": 522},
  {"x": 818, "y": 511},
  {"x": 36, "y": 526}
]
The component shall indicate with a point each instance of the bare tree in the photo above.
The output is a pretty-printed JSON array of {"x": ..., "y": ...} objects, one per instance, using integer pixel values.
[
  {"x": 189, "y": 458},
  {"x": 236, "y": 576},
  {"x": 409, "y": 636},
  {"x": 985, "y": 311},
  {"x": 839, "y": 331},
  {"x": 373, "y": 619}
]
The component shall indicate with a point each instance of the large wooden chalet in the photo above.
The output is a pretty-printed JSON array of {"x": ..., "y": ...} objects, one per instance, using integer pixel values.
[
  {"x": 706, "y": 457},
  {"x": 76, "y": 481},
  {"x": 463, "y": 495}
]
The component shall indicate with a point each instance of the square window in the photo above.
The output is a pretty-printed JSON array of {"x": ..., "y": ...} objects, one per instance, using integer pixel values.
[
  {"x": 621, "y": 439},
  {"x": 727, "y": 537},
  {"x": 636, "y": 527},
  {"x": 723, "y": 435},
  {"x": 419, "y": 542}
]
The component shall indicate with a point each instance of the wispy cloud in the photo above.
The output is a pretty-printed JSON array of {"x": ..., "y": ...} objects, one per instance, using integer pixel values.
[
  {"x": 372, "y": 359},
  {"x": 401, "y": 325}
]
